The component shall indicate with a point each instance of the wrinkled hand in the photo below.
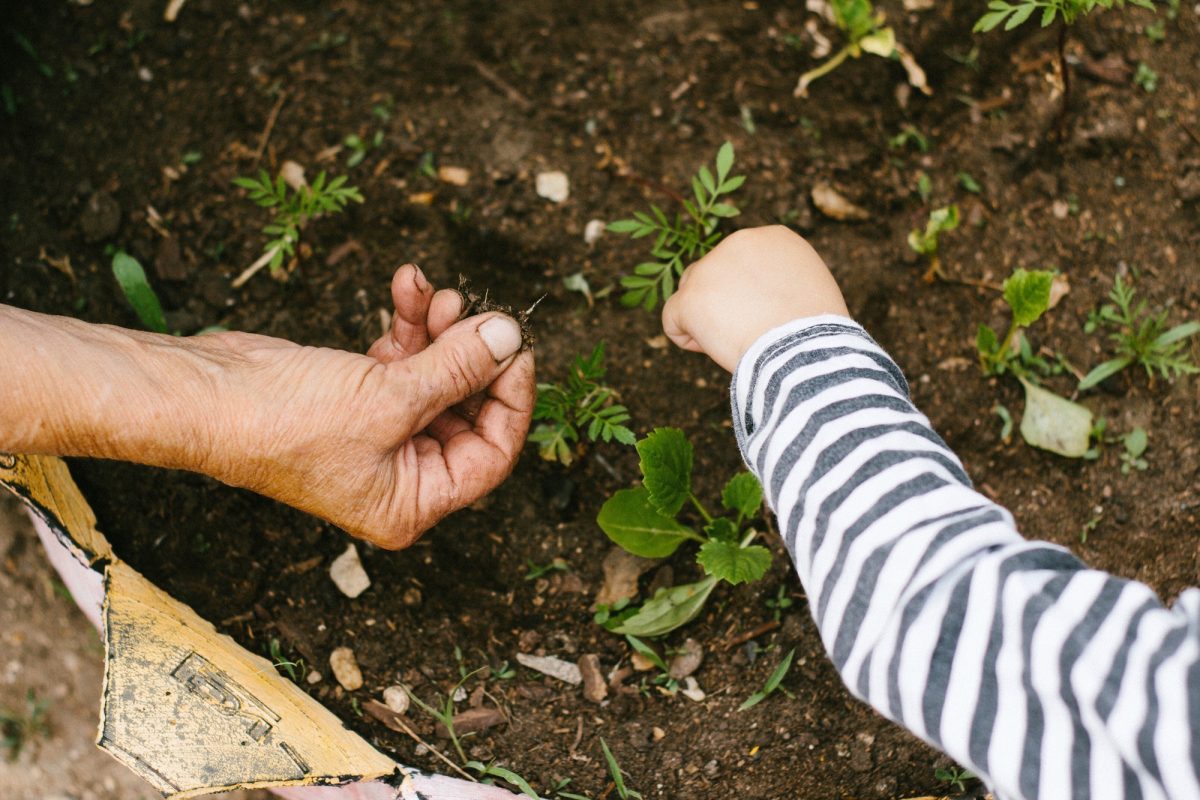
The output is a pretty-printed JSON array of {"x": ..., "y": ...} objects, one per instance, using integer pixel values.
[
  {"x": 385, "y": 444},
  {"x": 755, "y": 280}
]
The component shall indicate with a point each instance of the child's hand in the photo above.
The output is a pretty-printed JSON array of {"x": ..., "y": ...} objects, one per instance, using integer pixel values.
[{"x": 755, "y": 280}]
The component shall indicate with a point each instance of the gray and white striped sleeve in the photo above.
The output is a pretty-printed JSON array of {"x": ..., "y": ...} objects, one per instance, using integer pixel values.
[{"x": 1045, "y": 678}]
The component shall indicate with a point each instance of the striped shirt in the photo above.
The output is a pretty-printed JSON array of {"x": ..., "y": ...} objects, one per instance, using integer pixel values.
[{"x": 1045, "y": 678}]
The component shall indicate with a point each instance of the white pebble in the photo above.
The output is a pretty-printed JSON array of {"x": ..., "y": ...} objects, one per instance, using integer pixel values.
[
  {"x": 554, "y": 186},
  {"x": 348, "y": 573},
  {"x": 593, "y": 231},
  {"x": 692, "y": 691},
  {"x": 395, "y": 698},
  {"x": 345, "y": 669}
]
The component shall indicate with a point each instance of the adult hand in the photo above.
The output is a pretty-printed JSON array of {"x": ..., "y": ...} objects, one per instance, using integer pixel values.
[{"x": 755, "y": 280}]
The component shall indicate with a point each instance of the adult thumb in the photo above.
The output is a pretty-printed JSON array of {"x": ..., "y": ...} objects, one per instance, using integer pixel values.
[{"x": 464, "y": 360}]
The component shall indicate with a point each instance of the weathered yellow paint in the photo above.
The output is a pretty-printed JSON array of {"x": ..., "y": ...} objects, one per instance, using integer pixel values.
[{"x": 45, "y": 483}]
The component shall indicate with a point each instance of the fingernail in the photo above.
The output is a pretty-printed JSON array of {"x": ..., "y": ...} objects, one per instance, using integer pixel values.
[
  {"x": 419, "y": 278},
  {"x": 502, "y": 336}
]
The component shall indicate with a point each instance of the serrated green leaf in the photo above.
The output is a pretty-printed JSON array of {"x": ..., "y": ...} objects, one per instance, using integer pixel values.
[
  {"x": 670, "y": 608},
  {"x": 726, "y": 561},
  {"x": 137, "y": 290},
  {"x": 629, "y": 519},
  {"x": 721, "y": 528},
  {"x": 1028, "y": 295},
  {"x": 666, "y": 464},
  {"x": 742, "y": 494}
]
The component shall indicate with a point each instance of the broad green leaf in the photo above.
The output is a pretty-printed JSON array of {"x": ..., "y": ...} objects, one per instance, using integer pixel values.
[
  {"x": 632, "y": 522},
  {"x": 1028, "y": 295},
  {"x": 670, "y": 608},
  {"x": 1136, "y": 441},
  {"x": 742, "y": 494},
  {"x": 728, "y": 562},
  {"x": 880, "y": 43},
  {"x": 1054, "y": 423},
  {"x": 647, "y": 651},
  {"x": 986, "y": 341},
  {"x": 722, "y": 529},
  {"x": 724, "y": 161},
  {"x": 666, "y": 464},
  {"x": 132, "y": 280},
  {"x": 1019, "y": 16},
  {"x": 944, "y": 219},
  {"x": 1103, "y": 372}
]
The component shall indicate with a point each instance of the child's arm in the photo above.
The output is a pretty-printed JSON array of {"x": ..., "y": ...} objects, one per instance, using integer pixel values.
[{"x": 1044, "y": 677}]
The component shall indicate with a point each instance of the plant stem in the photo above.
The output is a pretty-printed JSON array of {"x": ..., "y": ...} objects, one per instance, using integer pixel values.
[
  {"x": 826, "y": 68},
  {"x": 699, "y": 507},
  {"x": 1066, "y": 79}
]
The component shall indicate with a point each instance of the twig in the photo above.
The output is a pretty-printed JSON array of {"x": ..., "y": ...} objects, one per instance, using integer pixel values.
[
  {"x": 1188, "y": 130},
  {"x": 602, "y": 461},
  {"x": 392, "y": 720},
  {"x": 173, "y": 9},
  {"x": 753, "y": 633},
  {"x": 489, "y": 75},
  {"x": 249, "y": 272},
  {"x": 266, "y": 134}
]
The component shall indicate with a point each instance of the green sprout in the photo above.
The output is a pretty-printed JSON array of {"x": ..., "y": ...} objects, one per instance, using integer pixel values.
[
  {"x": 493, "y": 770},
  {"x": 359, "y": 147},
  {"x": 954, "y": 776},
  {"x": 582, "y": 405},
  {"x": 864, "y": 31},
  {"x": 925, "y": 242},
  {"x": 618, "y": 778},
  {"x": 445, "y": 714},
  {"x": 137, "y": 290},
  {"x": 773, "y": 683},
  {"x": 1135, "y": 443},
  {"x": 279, "y": 662},
  {"x": 1141, "y": 338},
  {"x": 684, "y": 239},
  {"x": 1027, "y": 294},
  {"x": 17, "y": 728}
]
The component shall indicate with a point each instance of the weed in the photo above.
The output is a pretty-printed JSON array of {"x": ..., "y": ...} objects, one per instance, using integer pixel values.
[
  {"x": 967, "y": 182},
  {"x": 614, "y": 769},
  {"x": 644, "y": 521},
  {"x": 681, "y": 241},
  {"x": 137, "y": 290},
  {"x": 1135, "y": 443},
  {"x": 279, "y": 662},
  {"x": 17, "y": 728},
  {"x": 773, "y": 683},
  {"x": 1145, "y": 77},
  {"x": 359, "y": 147},
  {"x": 493, "y": 770},
  {"x": 1006, "y": 422},
  {"x": 1090, "y": 525},
  {"x": 941, "y": 220},
  {"x": 780, "y": 603},
  {"x": 909, "y": 135},
  {"x": 864, "y": 31},
  {"x": 293, "y": 209},
  {"x": 445, "y": 714},
  {"x": 1141, "y": 338},
  {"x": 504, "y": 672},
  {"x": 538, "y": 570},
  {"x": 581, "y": 404},
  {"x": 955, "y": 776},
  {"x": 1028, "y": 296}
]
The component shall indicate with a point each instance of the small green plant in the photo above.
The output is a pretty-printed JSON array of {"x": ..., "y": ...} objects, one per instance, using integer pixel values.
[
  {"x": 780, "y": 603},
  {"x": 1141, "y": 338},
  {"x": 17, "y": 728},
  {"x": 864, "y": 31},
  {"x": 137, "y": 290},
  {"x": 359, "y": 147},
  {"x": 1028, "y": 296},
  {"x": 279, "y": 662},
  {"x": 538, "y": 570},
  {"x": 773, "y": 683},
  {"x": 684, "y": 239},
  {"x": 493, "y": 770},
  {"x": 910, "y": 135},
  {"x": 1145, "y": 77},
  {"x": 955, "y": 776},
  {"x": 293, "y": 209},
  {"x": 925, "y": 242},
  {"x": 645, "y": 521},
  {"x": 618, "y": 778},
  {"x": 1135, "y": 443},
  {"x": 582, "y": 405},
  {"x": 1065, "y": 12},
  {"x": 445, "y": 714}
]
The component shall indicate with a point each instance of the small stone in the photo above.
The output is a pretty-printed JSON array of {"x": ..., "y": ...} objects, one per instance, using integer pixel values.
[
  {"x": 145, "y": 75},
  {"x": 593, "y": 231},
  {"x": 687, "y": 660},
  {"x": 395, "y": 698},
  {"x": 345, "y": 669},
  {"x": 553, "y": 186},
  {"x": 692, "y": 691},
  {"x": 101, "y": 217},
  {"x": 313, "y": 677},
  {"x": 460, "y": 694},
  {"x": 293, "y": 175},
  {"x": 594, "y": 687},
  {"x": 564, "y": 671},
  {"x": 348, "y": 573},
  {"x": 641, "y": 663},
  {"x": 658, "y": 733},
  {"x": 412, "y": 596},
  {"x": 712, "y": 769},
  {"x": 455, "y": 176},
  {"x": 833, "y": 204},
  {"x": 1061, "y": 209}
]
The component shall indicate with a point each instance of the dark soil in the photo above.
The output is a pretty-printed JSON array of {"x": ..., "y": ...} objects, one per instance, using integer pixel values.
[{"x": 114, "y": 98}]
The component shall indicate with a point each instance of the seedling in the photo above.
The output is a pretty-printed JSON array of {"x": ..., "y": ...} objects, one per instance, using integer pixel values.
[
  {"x": 493, "y": 770},
  {"x": 780, "y": 603},
  {"x": 1145, "y": 77},
  {"x": 909, "y": 135},
  {"x": 1135, "y": 443},
  {"x": 614, "y": 769},
  {"x": 1028, "y": 296},
  {"x": 359, "y": 147},
  {"x": 581, "y": 406},
  {"x": 137, "y": 290},
  {"x": 17, "y": 728},
  {"x": 1065, "y": 12},
  {"x": 955, "y": 776},
  {"x": 773, "y": 683},
  {"x": 925, "y": 242},
  {"x": 279, "y": 662},
  {"x": 445, "y": 714},
  {"x": 645, "y": 521},
  {"x": 864, "y": 30},
  {"x": 538, "y": 570},
  {"x": 293, "y": 209},
  {"x": 684, "y": 239},
  {"x": 1141, "y": 338}
]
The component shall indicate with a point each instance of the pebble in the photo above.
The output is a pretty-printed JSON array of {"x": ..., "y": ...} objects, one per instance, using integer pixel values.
[
  {"x": 564, "y": 671},
  {"x": 313, "y": 677},
  {"x": 687, "y": 660},
  {"x": 345, "y": 669},
  {"x": 293, "y": 175},
  {"x": 348, "y": 573},
  {"x": 455, "y": 176},
  {"x": 831, "y": 203},
  {"x": 553, "y": 186},
  {"x": 395, "y": 698},
  {"x": 594, "y": 687},
  {"x": 641, "y": 663},
  {"x": 658, "y": 733},
  {"x": 593, "y": 231},
  {"x": 412, "y": 596},
  {"x": 692, "y": 691}
]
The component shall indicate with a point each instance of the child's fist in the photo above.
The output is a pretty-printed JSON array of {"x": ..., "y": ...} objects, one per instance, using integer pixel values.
[{"x": 755, "y": 280}]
